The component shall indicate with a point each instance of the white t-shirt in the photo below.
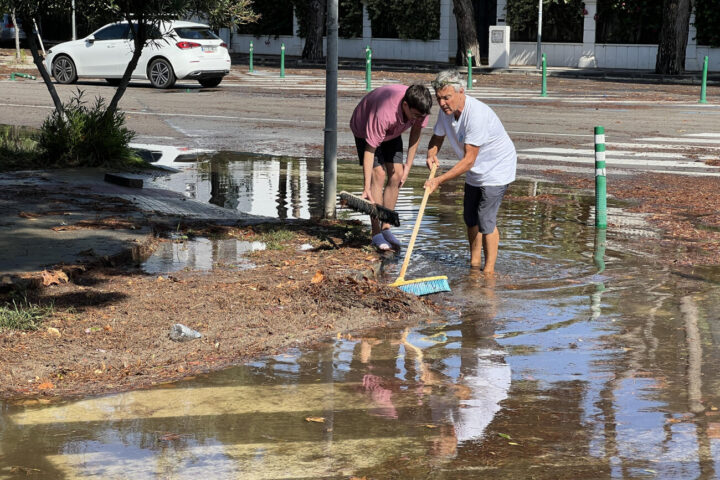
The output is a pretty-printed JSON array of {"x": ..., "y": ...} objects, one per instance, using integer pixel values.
[{"x": 479, "y": 126}]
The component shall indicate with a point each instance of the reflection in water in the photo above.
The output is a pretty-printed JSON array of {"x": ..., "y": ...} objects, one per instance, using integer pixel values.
[{"x": 580, "y": 359}]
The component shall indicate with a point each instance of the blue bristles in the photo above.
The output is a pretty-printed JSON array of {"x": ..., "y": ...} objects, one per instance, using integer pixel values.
[{"x": 426, "y": 287}]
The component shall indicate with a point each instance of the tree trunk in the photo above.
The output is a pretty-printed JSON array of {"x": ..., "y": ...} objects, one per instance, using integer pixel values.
[
  {"x": 673, "y": 37},
  {"x": 467, "y": 34},
  {"x": 38, "y": 60},
  {"x": 314, "y": 22},
  {"x": 139, "y": 39},
  {"x": 17, "y": 36}
]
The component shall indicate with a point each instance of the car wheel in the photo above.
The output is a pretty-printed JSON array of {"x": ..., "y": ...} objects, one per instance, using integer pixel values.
[
  {"x": 63, "y": 70},
  {"x": 113, "y": 81},
  {"x": 161, "y": 73},
  {"x": 210, "y": 82}
]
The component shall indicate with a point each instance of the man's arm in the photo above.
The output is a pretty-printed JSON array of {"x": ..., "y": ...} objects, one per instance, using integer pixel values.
[
  {"x": 368, "y": 160},
  {"x": 415, "y": 132},
  {"x": 458, "y": 169},
  {"x": 436, "y": 142}
]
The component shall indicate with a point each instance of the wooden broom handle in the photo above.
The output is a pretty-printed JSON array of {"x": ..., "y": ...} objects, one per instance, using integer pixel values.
[{"x": 416, "y": 228}]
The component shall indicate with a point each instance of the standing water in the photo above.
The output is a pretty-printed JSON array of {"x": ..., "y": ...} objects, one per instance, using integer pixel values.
[{"x": 582, "y": 359}]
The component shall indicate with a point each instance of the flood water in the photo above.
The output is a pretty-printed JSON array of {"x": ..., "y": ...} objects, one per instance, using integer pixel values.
[{"x": 583, "y": 359}]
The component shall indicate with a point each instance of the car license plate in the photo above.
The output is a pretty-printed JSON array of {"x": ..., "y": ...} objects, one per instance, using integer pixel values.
[{"x": 209, "y": 49}]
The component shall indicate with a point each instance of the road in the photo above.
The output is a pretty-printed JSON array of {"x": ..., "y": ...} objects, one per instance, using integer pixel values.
[{"x": 649, "y": 127}]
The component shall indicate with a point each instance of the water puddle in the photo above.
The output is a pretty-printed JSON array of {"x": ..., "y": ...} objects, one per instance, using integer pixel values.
[
  {"x": 582, "y": 359},
  {"x": 200, "y": 254}
]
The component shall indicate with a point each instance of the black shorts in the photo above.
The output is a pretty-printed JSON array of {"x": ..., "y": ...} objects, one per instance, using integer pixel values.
[
  {"x": 390, "y": 151},
  {"x": 481, "y": 205}
]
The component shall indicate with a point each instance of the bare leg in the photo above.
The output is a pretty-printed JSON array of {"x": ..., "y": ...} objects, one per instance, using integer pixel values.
[
  {"x": 392, "y": 189},
  {"x": 376, "y": 188},
  {"x": 476, "y": 246},
  {"x": 490, "y": 243}
]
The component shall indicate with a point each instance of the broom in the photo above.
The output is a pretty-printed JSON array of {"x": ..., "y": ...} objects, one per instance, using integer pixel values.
[
  {"x": 359, "y": 204},
  {"x": 420, "y": 286}
]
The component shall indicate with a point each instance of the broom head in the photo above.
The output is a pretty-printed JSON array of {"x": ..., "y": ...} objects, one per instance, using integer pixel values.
[
  {"x": 361, "y": 205},
  {"x": 423, "y": 286}
]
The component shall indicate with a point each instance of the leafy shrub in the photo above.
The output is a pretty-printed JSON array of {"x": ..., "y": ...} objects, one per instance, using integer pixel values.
[{"x": 84, "y": 136}]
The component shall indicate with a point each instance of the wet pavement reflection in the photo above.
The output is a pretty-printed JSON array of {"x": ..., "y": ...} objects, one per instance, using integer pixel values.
[{"x": 583, "y": 358}]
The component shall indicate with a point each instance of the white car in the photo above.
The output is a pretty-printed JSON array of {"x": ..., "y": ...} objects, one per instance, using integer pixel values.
[{"x": 178, "y": 51}]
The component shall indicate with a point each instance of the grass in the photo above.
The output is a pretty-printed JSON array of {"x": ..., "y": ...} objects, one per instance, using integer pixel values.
[
  {"x": 23, "y": 315},
  {"x": 276, "y": 239},
  {"x": 18, "y": 148}
]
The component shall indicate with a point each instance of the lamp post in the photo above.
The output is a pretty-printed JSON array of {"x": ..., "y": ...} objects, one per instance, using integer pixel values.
[{"x": 539, "y": 35}]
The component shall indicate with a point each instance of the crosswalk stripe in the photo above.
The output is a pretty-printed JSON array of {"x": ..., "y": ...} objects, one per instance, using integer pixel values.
[
  {"x": 618, "y": 161},
  {"x": 682, "y": 140},
  {"x": 612, "y": 153}
]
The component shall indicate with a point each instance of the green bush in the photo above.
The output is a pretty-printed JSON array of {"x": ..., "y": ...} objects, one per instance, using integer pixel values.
[{"x": 84, "y": 136}]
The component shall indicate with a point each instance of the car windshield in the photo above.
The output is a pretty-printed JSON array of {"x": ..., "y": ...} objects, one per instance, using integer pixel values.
[{"x": 196, "y": 33}]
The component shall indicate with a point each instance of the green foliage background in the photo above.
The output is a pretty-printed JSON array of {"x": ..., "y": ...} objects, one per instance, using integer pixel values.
[
  {"x": 562, "y": 20},
  {"x": 707, "y": 22},
  {"x": 406, "y": 19}
]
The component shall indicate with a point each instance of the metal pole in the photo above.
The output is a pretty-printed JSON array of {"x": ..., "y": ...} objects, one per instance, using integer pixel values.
[
  {"x": 543, "y": 92},
  {"x": 600, "y": 179},
  {"x": 282, "y": 60},
  {"x": 703, "y": 89},
  {"x": 331, "y": 103},
  {"x": 251, "y": 57},
  {"x": 74, "y": 31},
  {"x": 368, "y": 69},
  {"x": 469, "y": 75},
  {"x": 539, "y": 35}
]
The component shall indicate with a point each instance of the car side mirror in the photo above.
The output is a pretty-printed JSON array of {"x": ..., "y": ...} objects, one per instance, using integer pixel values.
[{"x": 90, "y": 39}]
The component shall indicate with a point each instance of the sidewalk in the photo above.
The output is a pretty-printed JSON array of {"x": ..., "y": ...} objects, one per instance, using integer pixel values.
[
  {"x": 614, "y": 74},
  {"x": 74, "y": 216}
]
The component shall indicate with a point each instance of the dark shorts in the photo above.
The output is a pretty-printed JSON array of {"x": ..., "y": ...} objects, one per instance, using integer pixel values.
[
  {"x": 390, "y": 151},
  {"x": 481, "y": 206}
]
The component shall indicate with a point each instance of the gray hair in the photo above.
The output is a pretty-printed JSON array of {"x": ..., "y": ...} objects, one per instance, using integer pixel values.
[{"x": 448, "y": 77}]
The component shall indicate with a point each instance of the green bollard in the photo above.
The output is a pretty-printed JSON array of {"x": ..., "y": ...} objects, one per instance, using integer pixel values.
[
  {"x": 282, "y": 60},
  {"x": 368, "y": 69},
  {"x": 703, "y": 89},
  {"x": 600, "y": 179},
  {"x": 469, "y": 76},
  {"x": 23, "y": 75},
  {"x": 599, "y": 261},
  {"x": 599, "y": 253},
  {"x": 543, "y": 92},
  {"x": 251, "y": 57}
]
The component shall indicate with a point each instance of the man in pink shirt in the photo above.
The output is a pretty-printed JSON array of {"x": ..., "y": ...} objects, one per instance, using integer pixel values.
[{"x": 378, "y": 123}]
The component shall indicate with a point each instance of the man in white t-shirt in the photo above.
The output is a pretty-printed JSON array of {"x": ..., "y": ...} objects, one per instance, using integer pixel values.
[{"x": 487, "y": 157}]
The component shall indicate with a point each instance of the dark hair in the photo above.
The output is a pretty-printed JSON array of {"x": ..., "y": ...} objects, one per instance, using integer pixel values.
[{"x": 419, "y": 98}]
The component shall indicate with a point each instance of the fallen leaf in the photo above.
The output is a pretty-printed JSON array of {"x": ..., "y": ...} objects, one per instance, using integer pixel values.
[
  {"x": 315, "y": 419},
  {"x": 54, "y": 332},
  {"x": 56, "y": 277},
  {"x": 428, "y": 425},
  {"x": 46, "y": 386},
  {"x": 318, "y": 277},
  {"x": 504, "y": 435}
]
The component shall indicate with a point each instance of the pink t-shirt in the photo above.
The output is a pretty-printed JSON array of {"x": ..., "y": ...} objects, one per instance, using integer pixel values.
[{"x": 379, "y": 116}]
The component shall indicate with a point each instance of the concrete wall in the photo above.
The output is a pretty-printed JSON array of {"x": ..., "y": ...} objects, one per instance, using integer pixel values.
[{"x": 587, "y": 54}]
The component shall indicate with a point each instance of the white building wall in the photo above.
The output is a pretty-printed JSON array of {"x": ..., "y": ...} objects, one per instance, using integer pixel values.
[{"x": 585, "y": 55}]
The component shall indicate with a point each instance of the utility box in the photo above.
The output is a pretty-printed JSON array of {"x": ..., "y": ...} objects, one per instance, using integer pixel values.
[{"x": 499, "y": 46}]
